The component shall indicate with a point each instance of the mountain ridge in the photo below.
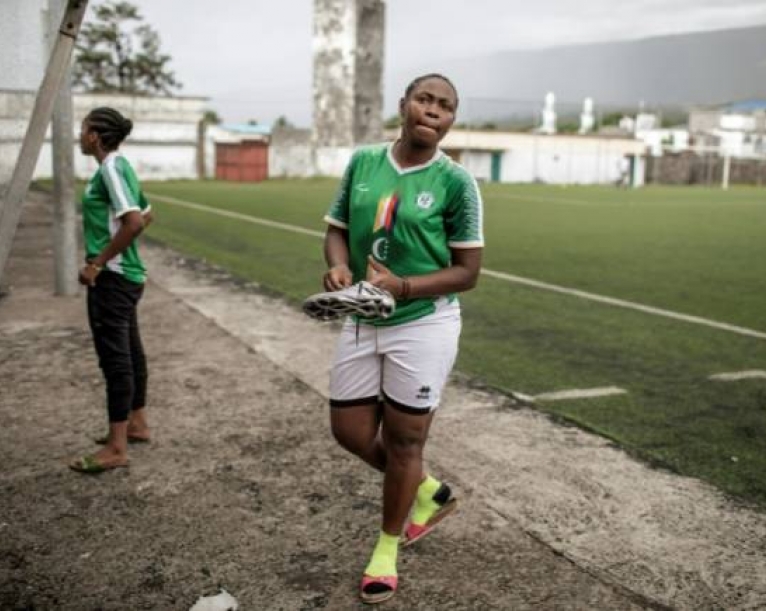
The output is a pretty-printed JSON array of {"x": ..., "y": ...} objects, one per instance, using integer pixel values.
[{"x": 679, "y": 70}]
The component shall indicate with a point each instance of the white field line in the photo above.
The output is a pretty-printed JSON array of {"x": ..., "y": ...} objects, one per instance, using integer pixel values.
[
  {"x": 580, "y": 393},
  {"x": 237, "y": 215},
  {"x": 488, "y": 272},
  {"x": 737, "y": 375},
  {"x": 626, "y": 304}
]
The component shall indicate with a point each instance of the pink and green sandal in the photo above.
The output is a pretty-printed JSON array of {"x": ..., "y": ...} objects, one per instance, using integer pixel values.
[
  {"x": 376, "y": 590},
  {"x": 415, "y": 532}
]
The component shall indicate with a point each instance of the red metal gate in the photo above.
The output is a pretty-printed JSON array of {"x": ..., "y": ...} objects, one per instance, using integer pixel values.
[{"x": 244, "y": 161}]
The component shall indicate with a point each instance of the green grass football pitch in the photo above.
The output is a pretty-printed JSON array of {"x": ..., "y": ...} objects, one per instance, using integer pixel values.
[{"x": 696, "y": 252}]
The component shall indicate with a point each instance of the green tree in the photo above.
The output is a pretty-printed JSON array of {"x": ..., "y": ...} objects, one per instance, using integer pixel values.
[
  {"x": 614, "y": 117},
  {"x": 568, "y": 125},
  {"x": 282, "y": 121},
  {"x": 392, "y": 122},
  {"x": 212, "y": 117},
  {"x": 118, "y": 52},
  {"x": 673, "y": 117}
]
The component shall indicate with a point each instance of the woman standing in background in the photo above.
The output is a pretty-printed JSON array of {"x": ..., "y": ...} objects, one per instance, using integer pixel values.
[{"x": 114, "y": 212}]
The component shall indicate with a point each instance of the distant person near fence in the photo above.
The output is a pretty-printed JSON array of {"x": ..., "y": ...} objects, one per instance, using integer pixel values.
[{"x": 623, "y": 167}]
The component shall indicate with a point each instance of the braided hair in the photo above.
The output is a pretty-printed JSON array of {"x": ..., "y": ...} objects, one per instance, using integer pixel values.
[
  {"x": 111, "y": 127},
  {"x": 425, "y": 77}
]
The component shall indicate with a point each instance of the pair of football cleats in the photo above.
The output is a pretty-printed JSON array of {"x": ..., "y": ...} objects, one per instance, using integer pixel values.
[{"x": 361, "y": 299}]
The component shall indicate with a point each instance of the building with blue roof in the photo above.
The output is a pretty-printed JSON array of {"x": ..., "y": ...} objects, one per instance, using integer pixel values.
[{"x": 746, "y": 106}]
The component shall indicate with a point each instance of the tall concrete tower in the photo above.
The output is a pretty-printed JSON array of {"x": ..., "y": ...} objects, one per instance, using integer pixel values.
[{"x": 348, "y": 78}]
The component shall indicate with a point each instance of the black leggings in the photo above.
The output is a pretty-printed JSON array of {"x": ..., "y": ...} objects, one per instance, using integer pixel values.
[{"x": 113, "y": 318}]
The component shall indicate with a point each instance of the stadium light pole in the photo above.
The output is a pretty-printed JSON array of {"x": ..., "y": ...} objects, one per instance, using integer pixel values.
[
  {"x": 62, "y": 143},
  {"x": 57, "y": 69}
]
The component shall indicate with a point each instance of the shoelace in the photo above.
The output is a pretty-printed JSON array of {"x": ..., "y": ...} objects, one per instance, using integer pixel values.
[{"x": 358, "y": 292}]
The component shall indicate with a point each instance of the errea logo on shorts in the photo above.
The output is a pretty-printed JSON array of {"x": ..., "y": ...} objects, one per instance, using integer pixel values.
[
  {"x": 424, "y": 392},
  {"x": 425, "y": 200}
]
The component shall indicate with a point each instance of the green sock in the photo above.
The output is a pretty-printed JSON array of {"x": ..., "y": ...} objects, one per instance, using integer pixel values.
[
  {"x": 383, "y": 561},
  {"x": 425, "y": 506}
]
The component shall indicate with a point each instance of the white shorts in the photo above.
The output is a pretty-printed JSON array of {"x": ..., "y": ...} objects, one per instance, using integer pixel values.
[{"x": 406, "y": 364}]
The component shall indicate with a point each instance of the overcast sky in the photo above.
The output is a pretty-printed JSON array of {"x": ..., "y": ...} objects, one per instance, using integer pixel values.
[{"x": 253, "y": 57}]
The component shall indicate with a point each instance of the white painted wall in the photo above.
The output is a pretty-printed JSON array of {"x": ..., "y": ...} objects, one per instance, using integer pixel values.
[
  {"x": 163, "y": 144},
  {"x": 738, "y": 122},
  {"x": 24, "y": 52},
  {"x": 149, "y": 161},
  {"x": 732, "y": 142},
  {"x": 295, "y": 161},
  {"x": 331, "y": 161},
  {"x": 478, "y": 164},
  {"x": 525, "y": 158},
  {"x": 553, "y": 159}
]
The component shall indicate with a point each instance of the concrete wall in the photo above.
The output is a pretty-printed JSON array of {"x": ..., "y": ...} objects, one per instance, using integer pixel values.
[
  {"x": 348, "y": 90},
  {"x": 25, "y": 43},
  {"x": 331, "y": 160},
  {"x": 524, "y": 158},
  {"x": 368, "y": 72},
  {"x": 291, "y": 153},
  {"x": 553, "y": 159},
  {"x": 334, "y": 64},
  {"x": 348, "y": 72},
  {"x": 164, "y": 143},
  {"x": 690, "y": 168},
  {"x": 704, "y": 120},
  {"x": 478, "y": 163}
]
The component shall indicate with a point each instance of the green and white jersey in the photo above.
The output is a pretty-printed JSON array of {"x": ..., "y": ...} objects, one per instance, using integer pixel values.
[
  {"x": 113, "y": 191},
  {"x": 408, "y": 219}
]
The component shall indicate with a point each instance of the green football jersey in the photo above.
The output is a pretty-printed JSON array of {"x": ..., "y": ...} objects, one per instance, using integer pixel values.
[
  {"x": 408, "y": 219},
  {"x": 111, "y": 192}
]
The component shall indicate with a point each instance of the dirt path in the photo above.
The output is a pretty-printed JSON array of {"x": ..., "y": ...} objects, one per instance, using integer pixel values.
[{"x": 244, "y": 487}]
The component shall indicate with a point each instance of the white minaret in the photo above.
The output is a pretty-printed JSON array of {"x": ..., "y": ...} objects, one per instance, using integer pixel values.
[
  {"x": 587, "y": 121},
  {"x": 548, "y": 115}
]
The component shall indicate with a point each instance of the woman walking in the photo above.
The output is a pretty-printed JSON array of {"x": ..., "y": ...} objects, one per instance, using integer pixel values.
[
  {"x": 408, "y": 220},
  {"x": 114, "y": 212}
]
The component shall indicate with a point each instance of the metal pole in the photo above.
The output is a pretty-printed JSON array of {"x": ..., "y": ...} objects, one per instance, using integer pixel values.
[
  {"x": 38, "y": 123},
  {"x": 726, "y": 171},
  {"x": 64, "y": 215}
]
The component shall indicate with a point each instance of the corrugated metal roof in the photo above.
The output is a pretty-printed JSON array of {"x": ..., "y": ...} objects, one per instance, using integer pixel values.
[{"x": 259, "y": 129}]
